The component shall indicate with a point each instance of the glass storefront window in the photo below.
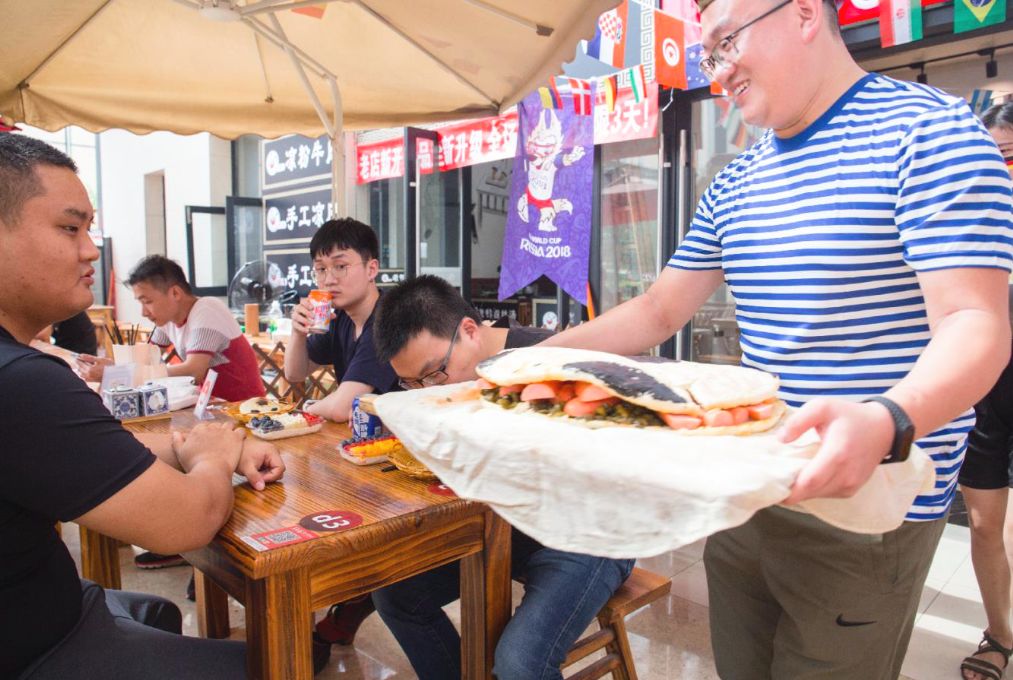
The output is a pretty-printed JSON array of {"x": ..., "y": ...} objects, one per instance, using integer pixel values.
[
  {"x": 629, "y": 220},
  {"x": 378, "y": 204},
  {"x": 719, "y": 135}
]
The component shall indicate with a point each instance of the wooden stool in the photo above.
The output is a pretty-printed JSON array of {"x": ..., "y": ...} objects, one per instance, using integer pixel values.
[{"x": 640, "y": 589}]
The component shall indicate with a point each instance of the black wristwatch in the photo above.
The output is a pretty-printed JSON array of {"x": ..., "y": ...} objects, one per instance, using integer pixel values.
[{"x": 903, "y": 430}]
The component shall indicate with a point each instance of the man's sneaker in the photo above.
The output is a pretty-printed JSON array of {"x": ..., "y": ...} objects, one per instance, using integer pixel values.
[
  {"x": 343, "y": 620},
  {"x": 150, "y": 560}
]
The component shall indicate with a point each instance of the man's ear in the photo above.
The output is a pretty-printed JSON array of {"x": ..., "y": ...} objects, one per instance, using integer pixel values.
[
  {"x": 469, "y": 327},
  {"x": 810, "y": 17},
  {"x": 372, "y": 269}
]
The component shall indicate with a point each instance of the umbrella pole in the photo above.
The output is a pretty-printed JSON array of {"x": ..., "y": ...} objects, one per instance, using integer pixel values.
[{"x": 338, "y": 191}]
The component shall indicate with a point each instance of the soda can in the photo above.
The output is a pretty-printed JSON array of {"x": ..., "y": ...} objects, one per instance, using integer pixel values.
[
  {"x": 365, "y": 425},
  {"x": 321, "y": 301}
]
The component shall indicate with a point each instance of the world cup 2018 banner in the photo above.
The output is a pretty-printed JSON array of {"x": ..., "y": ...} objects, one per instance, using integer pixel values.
[{"x": 548, "y": 228}]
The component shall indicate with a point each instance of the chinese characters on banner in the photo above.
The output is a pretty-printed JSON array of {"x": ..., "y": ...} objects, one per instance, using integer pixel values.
[
  {"x": 548, "y": 228},
  {"x": 493, "y": 139},
  {"x": 294, "y": 216},
  {"x": 296, "y": 160}
]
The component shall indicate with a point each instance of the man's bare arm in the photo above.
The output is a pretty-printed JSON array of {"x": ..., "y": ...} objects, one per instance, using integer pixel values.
[{"x": 647, "y": 320}]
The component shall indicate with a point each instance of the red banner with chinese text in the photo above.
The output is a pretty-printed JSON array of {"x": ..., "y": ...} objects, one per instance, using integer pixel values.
[{"x": 490, "y": 139}]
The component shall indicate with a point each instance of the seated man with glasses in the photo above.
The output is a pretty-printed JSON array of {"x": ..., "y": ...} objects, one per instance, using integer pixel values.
[
  {"x": 346, "y": 257},
  {"x": 432, "y": 336}
]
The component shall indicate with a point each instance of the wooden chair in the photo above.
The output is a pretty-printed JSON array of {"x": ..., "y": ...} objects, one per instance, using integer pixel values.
[{"x": 640, "y": 589}]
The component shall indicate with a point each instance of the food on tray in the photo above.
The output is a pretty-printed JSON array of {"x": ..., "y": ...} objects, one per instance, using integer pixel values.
[
  {"x": 258, "y": 405},
  {"x": 601, "y": 390},
  {"x": 368, "y": 451},
  {"x": 282, "y": 425}
]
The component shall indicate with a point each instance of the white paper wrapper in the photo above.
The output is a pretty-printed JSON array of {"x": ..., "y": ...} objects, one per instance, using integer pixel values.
[{"x": 624, "y": 492}]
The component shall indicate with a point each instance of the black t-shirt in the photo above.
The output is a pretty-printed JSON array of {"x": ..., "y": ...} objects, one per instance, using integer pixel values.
[
  {"x": 76, "y": 334},
  {"x": 521, "y": 336},
  {"x": 62, "y": 454},
  {"x": 353, "y": 358}
]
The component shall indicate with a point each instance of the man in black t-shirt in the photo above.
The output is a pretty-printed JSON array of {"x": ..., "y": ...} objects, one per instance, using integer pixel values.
[
  {"x": 432, "y": 336},
  {"x": 76, "y": 334},
  {"x": 345, "y": 256},
  {"x": 64, "y": 457}
]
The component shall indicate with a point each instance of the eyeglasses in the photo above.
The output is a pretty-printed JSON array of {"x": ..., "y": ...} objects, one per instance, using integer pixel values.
[
  {"x": 725, "y": 52},
  {"x": 338, "y": 271},
  {"x": 437, "y": 377}
]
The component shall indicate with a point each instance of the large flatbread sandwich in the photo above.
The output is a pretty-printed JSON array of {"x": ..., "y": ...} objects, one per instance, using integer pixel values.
[{"x": 598, "y": 389}]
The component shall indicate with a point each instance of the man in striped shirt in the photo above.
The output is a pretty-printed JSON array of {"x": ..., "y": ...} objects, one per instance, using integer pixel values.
[{"x": 867, "y": 241}]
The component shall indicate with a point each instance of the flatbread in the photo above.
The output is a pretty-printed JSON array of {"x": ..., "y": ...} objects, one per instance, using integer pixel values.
[
  {"x": 663, "y": 386},
  {"x": 676, "y": 387},
  {"x": 750, "y": 427},
  {"x": 259, "y": 405}
]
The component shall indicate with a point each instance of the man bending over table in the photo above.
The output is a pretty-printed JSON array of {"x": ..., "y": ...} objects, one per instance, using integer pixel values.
[
  {"x": 432, "y": 336},
  {"x": 66, "y": 458},
  {"x": 201, "y": 329}
]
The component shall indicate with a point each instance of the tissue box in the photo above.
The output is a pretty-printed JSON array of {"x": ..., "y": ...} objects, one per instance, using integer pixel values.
[
  {"x": 123, "y": 402},
  {"x": 154, "y": 399}
]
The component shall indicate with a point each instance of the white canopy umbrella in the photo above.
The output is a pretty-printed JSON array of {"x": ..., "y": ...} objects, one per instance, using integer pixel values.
[{"x": 275, "y": 67}]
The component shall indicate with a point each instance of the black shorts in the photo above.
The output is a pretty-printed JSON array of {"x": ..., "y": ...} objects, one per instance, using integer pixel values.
[{"x": 988, "y": 461}]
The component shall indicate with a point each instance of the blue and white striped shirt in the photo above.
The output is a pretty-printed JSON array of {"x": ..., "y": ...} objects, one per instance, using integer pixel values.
[{"x": 821, "y": 236}]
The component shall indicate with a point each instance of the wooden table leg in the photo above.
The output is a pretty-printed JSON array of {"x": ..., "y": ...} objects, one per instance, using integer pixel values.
[
  {"x": 485, "y": 599},
  {"x": 212, "y": 607},
  {"x": 278, "y": 616},
  {"x": 100, "y": 558}
]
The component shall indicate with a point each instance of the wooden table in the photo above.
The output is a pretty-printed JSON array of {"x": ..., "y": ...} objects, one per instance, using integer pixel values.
[{"x": 406, "y": 529}]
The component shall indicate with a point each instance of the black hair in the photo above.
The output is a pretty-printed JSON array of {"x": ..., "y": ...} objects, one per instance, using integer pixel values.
[
  {"x": 19, "y": 155},
  {"x": 998, "y": 116},
  {"x": 160, "y": 272},
  {"x": 345, "y": 234},
  {"x": 425, "y": 303}
]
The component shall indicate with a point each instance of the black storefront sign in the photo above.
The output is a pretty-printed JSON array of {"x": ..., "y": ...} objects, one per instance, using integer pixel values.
[
  {"x": 295, "y": 160},
  {"x": 296, "y": 267},
  {"x": 294, "y": 216}
]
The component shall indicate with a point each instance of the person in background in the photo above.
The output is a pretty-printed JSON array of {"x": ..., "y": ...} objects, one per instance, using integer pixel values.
[
  {"x": 204, "y": 334},
  {"x": 202, "y": 330},
  {"x": 985, "y": 478},
  {"x": 866, "y": 239},
  {"x": 76, "y": 334},
  {"x": 65, "y": 458},
  {"x": 432, "y": 336},
  {"x": 345, "y": 256}
]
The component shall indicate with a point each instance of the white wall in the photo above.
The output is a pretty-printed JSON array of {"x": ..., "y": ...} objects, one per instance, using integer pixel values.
[{"x": 197, "y": 171}]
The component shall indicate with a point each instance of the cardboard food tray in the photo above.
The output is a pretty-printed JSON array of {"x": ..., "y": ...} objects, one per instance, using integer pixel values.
[{"x": 285, "y": 434}]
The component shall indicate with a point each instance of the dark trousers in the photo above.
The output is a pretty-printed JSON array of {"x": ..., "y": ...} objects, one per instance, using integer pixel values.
[{"x": 130, "y": 635}]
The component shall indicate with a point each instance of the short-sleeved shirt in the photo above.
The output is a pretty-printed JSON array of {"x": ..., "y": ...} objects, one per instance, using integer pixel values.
[
  {"x": 353, "y": 358},
  {"x": 63, "y": 454},
  {"x": 821, "y": 237},
  {"x": 211, "y": 329},
  {"x": 76, "y": 334}
]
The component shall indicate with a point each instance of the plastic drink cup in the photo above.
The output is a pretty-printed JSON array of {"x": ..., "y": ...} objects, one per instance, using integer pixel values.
[{"x": 321, "y": 301}]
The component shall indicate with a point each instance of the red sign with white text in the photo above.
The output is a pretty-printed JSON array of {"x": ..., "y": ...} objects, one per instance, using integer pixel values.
[{"x": 492, "y": 139}]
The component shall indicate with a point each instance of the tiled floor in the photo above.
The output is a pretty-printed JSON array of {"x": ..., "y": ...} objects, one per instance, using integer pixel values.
[{"x": 670, "y": 638}]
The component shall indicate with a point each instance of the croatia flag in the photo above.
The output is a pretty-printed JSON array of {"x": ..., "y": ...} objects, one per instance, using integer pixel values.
[
  {"x": 900, "y": 21},
  {"x": 609, "y": 42}
]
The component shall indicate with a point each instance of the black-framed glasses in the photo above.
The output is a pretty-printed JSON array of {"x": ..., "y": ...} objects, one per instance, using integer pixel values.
[
  {"x": 725, "y": 52},
  {"x": 437, "y": 377},
  {"x": 338, "y": 271}
]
